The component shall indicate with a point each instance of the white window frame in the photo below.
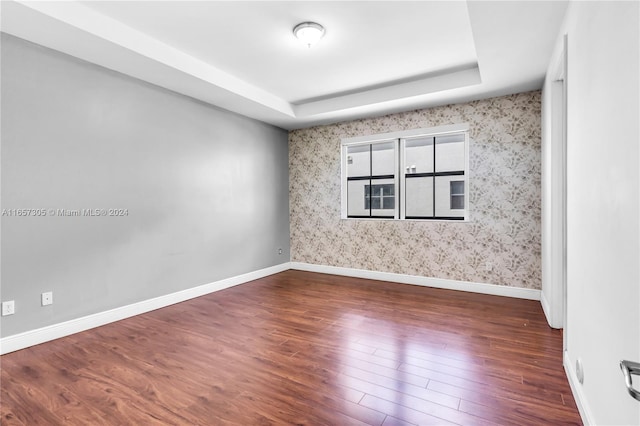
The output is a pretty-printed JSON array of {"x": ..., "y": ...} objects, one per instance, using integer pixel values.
[{"x": 399, "y": 138}]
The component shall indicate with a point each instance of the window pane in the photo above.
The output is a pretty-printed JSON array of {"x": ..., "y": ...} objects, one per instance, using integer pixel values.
[
  {"x": 380, "y": 197},
  {"x": 419, "y": 197},
  {"x": 457, "y": 194},
  {"x": 358, "y": 163},
  {"x": 457, "y": 202},
  {"x": 356, "y": 190},
  {"x": 457, "y": 187},
  {"x": 381, "y": 204},
  {"x": 450, "y": 153},
  {"x": 418, "y": 155},
  {"x": 383, "y": 159},
  {"x": 444, "y": 200}
]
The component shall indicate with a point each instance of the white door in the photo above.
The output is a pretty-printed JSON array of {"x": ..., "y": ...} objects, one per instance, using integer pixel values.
[{"x": 603, "y": 207}]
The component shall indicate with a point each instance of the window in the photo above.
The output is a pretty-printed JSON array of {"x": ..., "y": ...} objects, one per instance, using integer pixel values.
[
  {"x": 379, "y": 197},
  {"x": 418, "y": 174},
  {"x": 457, "y": 194}
]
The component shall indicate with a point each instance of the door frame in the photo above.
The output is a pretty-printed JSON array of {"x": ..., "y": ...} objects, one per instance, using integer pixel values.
[{"x": 555, "y": 238}]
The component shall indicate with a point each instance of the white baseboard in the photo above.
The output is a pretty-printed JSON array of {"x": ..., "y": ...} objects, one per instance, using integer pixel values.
[
  {"x": 55, "y": 331},
  {"x": 497, "y": 290},
  {"x": 576, "y": 389}
]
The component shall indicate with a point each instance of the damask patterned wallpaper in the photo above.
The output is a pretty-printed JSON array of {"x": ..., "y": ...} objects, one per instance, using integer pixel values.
[{"x": 505, "y": 199}]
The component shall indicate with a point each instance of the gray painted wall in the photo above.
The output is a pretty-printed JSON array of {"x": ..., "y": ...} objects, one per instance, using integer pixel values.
[{"x": 206, "y": 190}]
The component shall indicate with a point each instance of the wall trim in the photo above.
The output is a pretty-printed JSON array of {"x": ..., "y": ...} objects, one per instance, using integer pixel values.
[
  {"x": 496, "y": 290},
  {"x": 546, "y": 308},
  {"x": 578, "y": 394},
  {"x": 56, "y": 331},
  {"x": 553, "y": 321}
]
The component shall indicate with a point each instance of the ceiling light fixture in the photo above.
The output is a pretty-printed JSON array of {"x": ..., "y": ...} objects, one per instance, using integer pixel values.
[{"x": 308, "y": 32}]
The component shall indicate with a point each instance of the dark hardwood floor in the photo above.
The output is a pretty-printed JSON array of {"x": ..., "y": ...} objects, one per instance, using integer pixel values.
[{"x": 305, "y": 349}]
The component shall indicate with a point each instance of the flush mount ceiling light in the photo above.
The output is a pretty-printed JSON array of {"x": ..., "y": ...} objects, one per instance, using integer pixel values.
[{"x": 308, "y": 32}]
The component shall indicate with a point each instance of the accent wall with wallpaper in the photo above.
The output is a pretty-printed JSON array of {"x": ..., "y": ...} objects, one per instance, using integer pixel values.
[{"x": 500, "y": 244}]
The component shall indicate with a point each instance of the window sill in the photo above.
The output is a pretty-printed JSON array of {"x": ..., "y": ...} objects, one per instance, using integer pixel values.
[{"x": 374, "y": 219}]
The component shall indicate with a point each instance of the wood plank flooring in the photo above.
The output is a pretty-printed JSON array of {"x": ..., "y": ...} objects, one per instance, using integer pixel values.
[{"x": 300, "y": 348}]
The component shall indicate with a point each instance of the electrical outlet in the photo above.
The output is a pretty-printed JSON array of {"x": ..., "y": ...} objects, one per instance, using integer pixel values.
[
  {"x": 579, "y": 371},
  {"x": 47, "y": 298},
  {"x": 488, "y": 266},
  {"x": 279, "y": 251},
  {"x": 8, "y": 308}
]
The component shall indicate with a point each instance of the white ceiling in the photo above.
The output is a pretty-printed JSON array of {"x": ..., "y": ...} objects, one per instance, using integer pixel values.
[{"x": 376, "y": 57}]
